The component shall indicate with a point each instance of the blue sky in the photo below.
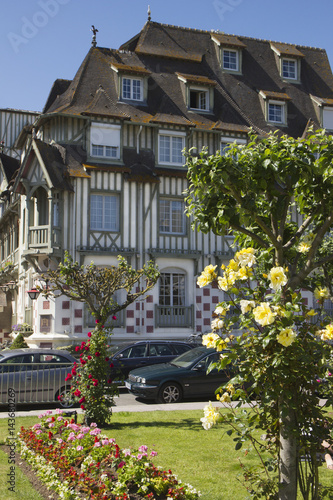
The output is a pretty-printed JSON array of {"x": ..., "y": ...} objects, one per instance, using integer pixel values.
[{"x": 42, "y": 40}]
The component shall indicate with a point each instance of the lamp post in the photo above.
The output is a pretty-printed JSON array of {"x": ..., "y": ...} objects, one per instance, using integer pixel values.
[{"x": 33, "y": 293}]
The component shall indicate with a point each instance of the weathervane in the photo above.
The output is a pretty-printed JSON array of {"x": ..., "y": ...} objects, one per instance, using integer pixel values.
[
  {"x": 94, "y": 30},
  {"x": 149, "y": 13}
]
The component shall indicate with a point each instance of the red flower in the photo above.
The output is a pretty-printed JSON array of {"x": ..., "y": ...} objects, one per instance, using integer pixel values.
[
  {"x": 82, "y": 407},
  {"x": 82, "y": 400},
  {"x": 111, "y": 365},
  {"x": 107, "y": 359},
  {"x": 109, "y": 381},
  {"x": 114, "y": 317},
  {"x": 69, "y": 376},
  {"x": 97, "y": 354},
  {"x": 89, "y": 376},
  {"x": 89, "y": 334},
  {"x": 89, "y": 357}
]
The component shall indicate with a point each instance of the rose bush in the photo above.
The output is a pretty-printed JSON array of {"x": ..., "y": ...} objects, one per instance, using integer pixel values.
[
  {"x": 91, "y": 384},
  {"x": 283, "y": 355},
  {"x": 79, "y": 461}
]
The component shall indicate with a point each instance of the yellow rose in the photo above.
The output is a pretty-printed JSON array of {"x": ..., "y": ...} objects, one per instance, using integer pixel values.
[
  {"x": 225, "y": 398},
  {"x": 246, "y": 257},
  {"x": 247, "y": 305},
  {"x": 277, "y": 277},
  {"x": 322, "y": 294},
  {"x": 223, "y": 283},
  {"x": 210, "y": 339},
  {"x": 263, "y": 314},
  {"x": 203, "y": 280},
  {"x": 286, "y": 337}
]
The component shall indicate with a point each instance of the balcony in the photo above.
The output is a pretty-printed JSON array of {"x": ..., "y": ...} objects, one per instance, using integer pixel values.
[
  {"x": 174, "y": 316},
  {"x": 43, "y": 237}
]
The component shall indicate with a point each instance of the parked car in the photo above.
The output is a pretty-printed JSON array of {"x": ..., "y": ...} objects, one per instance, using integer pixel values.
[
  {"x": 127, "y": 357},
  {"x": 35, "y": 376},
  {"x": 184, "y": 377}
]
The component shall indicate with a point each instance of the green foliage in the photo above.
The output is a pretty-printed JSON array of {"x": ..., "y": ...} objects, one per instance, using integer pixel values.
[
  {"x": 274, "y": 194},
  {"x": 19, "y": 342},
  {"x": 252, "y": 192}
]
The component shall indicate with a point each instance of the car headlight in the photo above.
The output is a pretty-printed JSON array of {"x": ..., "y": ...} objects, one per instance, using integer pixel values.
[{"x": 141, "y": 380}]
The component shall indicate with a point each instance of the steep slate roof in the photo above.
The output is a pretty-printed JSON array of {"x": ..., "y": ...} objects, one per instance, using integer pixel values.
[
  {"x": 165, "y": 54},
  {"x": 9, "y": 166}
]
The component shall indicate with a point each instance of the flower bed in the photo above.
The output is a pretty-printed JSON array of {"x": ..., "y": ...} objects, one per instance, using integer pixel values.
[{"x": 79, "y": 462}]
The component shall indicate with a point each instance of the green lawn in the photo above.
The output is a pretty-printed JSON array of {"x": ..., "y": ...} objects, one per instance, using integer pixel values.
[{"x": 205, "y": 459}]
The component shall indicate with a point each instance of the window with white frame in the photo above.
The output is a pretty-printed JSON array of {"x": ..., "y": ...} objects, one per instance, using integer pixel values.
[
  {"x": 230, "y": 59},
  {"x": 104, "y": 212},
  {"x": 199, "y": 99},
  {"x": 105, "y": 140},
  {"x": 172, "y": 289},
  {"x": 289, "y": 69},
  {"x": 170, "y": 147},
  {"x": 172, "y": 216},
  {"x": 132, "y": 88},
  {"x": 276, "y": 112}
]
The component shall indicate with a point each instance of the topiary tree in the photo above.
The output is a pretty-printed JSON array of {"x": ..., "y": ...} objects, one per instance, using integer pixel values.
[
  {"x": 275, "y": 195},
  {"x": 19, "y": 342},
  {"x": 97, "y": 287}
]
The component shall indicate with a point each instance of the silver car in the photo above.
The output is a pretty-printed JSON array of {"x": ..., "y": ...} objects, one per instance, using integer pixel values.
[{"x": 35, "y": 376}]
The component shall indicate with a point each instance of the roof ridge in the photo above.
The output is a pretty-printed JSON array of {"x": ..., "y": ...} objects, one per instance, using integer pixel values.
[{"x": 219, "y": 32}]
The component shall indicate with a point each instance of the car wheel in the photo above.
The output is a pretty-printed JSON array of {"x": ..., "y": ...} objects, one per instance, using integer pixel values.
[
  {"x": 64, "y": 397},
  {"x": 170, "y": 393}
]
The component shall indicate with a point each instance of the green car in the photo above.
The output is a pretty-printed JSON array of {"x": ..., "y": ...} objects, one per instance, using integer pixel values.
[{"x": 184, "y": 377}]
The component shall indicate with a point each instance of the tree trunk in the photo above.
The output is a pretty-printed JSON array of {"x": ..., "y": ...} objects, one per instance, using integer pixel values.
[{"x": 288, "y": 453}]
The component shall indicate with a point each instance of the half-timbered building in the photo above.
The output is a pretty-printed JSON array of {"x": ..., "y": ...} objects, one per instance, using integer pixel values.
[{"x": 102, "y": 173}]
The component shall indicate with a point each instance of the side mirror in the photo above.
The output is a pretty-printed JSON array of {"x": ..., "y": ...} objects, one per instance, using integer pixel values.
[{"x": 200, "y": 367}]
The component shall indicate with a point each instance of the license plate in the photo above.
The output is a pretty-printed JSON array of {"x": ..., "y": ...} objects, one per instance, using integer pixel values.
[{"x": 127, "y": 385}]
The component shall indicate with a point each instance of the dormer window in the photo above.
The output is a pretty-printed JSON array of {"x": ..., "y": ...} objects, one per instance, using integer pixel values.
[
  {"x": 288, "y": 58},
  {"x": 275, "y": 107},
  {"x": 324, "y": 111},
  {"x": 230, "y": 51},
  {"x": 132, "y": 82},
  {"x": 276, "y": 112},
  {"x": 198, "y": 92},
  {"x": 132, "y": 89},
  {"x": 230, "y": 60},
  {"x": 199, "y": 99},
  {"x": 289, "y": 69}
]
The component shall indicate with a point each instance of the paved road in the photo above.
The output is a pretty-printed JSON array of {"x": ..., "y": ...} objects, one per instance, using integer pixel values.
[{"x": 124, "y": 402}]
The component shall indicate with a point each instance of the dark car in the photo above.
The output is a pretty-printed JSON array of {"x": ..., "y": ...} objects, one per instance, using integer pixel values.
[
  {"x": 35, "y": 376},
  {"x": 185, "y": 377},
  {"x": 127, "y": 357}
]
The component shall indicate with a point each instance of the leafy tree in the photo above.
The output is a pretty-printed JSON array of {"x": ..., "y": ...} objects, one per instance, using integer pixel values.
[
  {"x": 97, "y": 287},
  {"x": 275, "y": 195}
]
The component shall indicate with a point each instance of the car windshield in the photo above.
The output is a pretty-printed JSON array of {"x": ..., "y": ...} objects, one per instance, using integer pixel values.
[{"x": 188, "y": 358}]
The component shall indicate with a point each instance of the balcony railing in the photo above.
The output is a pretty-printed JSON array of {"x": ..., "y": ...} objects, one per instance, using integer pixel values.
[
  {"x": 174, "y": 316},
  {"x": 39, "y": 236}
]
